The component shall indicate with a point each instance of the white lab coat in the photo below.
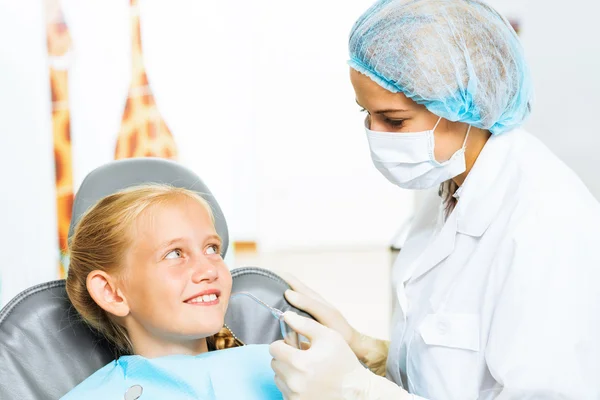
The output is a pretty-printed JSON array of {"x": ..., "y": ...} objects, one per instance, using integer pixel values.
[{"x": 502, "y": 300}]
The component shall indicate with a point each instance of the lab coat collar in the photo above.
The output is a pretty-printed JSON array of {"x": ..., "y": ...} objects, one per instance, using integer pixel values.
[
  {"x": 479, "y": 201},
  {"x": 482, "y": 194},
  {"x": 441, "y": 247}
]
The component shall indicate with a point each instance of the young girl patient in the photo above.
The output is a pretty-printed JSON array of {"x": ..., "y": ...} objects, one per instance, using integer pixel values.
[{"x": 146, "y": 272}]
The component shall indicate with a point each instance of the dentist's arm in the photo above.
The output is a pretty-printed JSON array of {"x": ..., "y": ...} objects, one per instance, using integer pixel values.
[
  {"x": 370, "y": 351},
  {"x": 328, "y": 370}
]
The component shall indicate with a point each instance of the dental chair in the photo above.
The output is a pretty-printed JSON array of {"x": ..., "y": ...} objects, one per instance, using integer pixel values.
[{"x": 45, "y": 347}]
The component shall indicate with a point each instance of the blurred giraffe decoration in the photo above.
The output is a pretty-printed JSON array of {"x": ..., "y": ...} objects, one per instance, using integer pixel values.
[
  {"x": 59, "y": 46},
  {"x": 143, "y": 131}
]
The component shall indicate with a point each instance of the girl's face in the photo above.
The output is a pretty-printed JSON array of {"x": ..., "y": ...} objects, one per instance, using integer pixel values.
[{"x": 175, "y": 282}]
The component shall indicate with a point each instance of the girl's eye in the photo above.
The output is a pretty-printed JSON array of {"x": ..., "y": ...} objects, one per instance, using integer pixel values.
[
  {"x": 212, "y": 249},
  {"x": 177, "y": 253}
]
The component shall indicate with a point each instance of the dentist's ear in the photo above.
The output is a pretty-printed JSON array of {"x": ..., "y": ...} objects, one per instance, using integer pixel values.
[{"x": 105, "y": 292}]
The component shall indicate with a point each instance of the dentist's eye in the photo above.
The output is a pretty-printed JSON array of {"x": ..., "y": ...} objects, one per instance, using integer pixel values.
[
  {"x": 177, "y": 253},
  {"x": 212, "y": 249},
  {"x": 396, "y": 123}
]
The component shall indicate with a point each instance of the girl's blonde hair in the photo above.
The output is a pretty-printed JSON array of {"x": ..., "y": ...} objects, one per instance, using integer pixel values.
[{"x": 100, "y": 241}]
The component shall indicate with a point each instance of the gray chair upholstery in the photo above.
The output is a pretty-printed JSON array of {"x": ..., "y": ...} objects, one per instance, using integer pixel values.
[
  {"x": 45, "y": 347},
  {"x": 249, "y": 321},
  {"x": 121, "y": 174},
  {"x": 46, "y": 350}
]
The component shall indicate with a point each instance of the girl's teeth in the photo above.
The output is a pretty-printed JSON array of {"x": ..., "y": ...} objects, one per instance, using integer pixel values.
[{"x": 205, "y": 298}]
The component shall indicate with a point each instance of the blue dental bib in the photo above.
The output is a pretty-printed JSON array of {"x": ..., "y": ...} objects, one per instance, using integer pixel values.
[{"x": 232, "y": 374}]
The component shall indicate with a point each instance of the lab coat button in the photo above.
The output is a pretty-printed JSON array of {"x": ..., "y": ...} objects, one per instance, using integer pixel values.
[{"x": 443, "y": 327}]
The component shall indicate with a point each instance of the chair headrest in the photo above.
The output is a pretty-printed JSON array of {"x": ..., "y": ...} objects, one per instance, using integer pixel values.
[
  {"x": 46, "y": 349},
  {"x": 243, "y": 312},
  {"x": 121, "y": 174}
]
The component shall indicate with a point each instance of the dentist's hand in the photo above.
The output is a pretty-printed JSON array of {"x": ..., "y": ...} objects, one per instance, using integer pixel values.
[
  {"x": 372, "y": 352},
  {"x": 306, "y": 299},
  {"x": 328, "y": 370}
]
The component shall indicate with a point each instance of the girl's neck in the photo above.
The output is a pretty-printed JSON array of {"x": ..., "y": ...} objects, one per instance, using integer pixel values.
[{"x": 151, "y": 347}]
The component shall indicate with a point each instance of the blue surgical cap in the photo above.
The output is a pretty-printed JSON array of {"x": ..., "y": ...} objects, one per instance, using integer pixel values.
[{"x": 459, "y": 58}]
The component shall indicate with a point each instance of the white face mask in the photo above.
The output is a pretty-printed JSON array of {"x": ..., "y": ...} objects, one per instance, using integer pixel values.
[{"x": 408, "y": 159}]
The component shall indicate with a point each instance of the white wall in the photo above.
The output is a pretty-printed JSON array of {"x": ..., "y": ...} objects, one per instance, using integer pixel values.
[
  {"x": 562, "y": 44},
  {"x": 28, "y": 241},
  {"x": 317, "y": 185}
]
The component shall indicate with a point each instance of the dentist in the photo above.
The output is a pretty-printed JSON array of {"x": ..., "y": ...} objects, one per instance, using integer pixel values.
[{"x": 497, "y": 284}]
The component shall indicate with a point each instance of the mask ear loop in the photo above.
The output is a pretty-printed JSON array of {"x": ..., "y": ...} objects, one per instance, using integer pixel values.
[
  {"x": 436, "y": 124},
  {"x": 464, "y": 146},
  {"x": 466, "y": 136},
  {"x": 432, "y": 144}
]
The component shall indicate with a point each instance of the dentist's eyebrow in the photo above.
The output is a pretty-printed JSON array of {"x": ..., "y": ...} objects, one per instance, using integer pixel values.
[{"x": 390, "y": 110}]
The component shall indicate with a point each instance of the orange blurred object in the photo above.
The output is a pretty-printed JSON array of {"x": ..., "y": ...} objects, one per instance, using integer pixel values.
[
  {"x": 59, "y": 45},
  {"x": 143, "y": 132}
]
